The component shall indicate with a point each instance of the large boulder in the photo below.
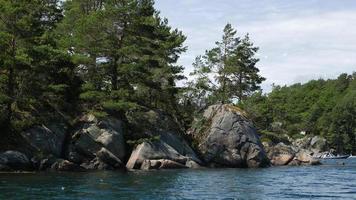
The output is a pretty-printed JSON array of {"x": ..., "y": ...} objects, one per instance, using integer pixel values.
[
  {"x": 302, "y": 143},
  {"x": 14, "y": 160},
  {"x": 47, "y": 139},
  {"x": 318, "y": 144},
  {"x": 160, "y": 154},
  {"x": 280, "y": 154},
  {"x": 164, "y": 145},
  {"x": 98, "y": 141},
  {"x": 227, "y": 138},
  {"x": 306, "y": 157}
]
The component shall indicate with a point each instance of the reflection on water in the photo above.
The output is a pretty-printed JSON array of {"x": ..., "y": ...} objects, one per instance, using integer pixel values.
[{"x": 334, "y": 180}]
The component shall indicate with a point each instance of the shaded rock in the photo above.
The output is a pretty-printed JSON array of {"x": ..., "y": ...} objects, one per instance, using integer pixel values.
[
  {"x": 5, "y": 168},
  {"x": 47, "y": 163},
  {"x": 98, "y": 144},
  {"x": 294, "y": 163},
  {"x": 227, "y": 138},
  {"x": 157, "y": 150},
  {"x": 161, "y": 164},
  {"x": 282, "y": 159},
  {"x": 15, "y": 161},
  {"x": 150, "y": 164},
  {"x": 47, "y": 139},
  {"x": 180, "y": 145},
  {"x": 35, "y": 161},
  {"x": 109, "y": 158},
  {"x": 192, "y": 164},
  {"x": 65, "y": 165},
  {"x": 318, "y": 144},
  {"x": 96, "y": 164},
  {"x": 76, "y": 157},
  {"x": 255, "y": 156},
  {"x": 169, "y": 164},
  {"x": 165, "y": 146},
  {"x": 153, "y": 151},
  {"x": 281, "y": 154},
  {"x": 302, "y": 143},
  {"x": 304, "y": 156},
  {"x": 95, "y": 134}
]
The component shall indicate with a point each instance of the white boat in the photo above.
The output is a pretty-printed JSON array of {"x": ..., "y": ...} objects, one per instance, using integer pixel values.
[{"x": 332, "y": 156}]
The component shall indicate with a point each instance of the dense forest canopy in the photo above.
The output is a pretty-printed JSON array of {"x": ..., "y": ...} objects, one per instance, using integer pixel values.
[
  {"x": 110, "y": 57},
  {"x": 104, "y": 57},
  {"x": 318, "y": 107}
]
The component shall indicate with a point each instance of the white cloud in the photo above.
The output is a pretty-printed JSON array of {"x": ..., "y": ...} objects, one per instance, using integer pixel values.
[{"x": 298, "y": 40}]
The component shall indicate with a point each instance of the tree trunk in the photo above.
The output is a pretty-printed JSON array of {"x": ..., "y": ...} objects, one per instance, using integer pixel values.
[
  {"x": 114, "y": 75},
  {"x": 10, "y": 83},
  {"x": 240, "y": 95}
]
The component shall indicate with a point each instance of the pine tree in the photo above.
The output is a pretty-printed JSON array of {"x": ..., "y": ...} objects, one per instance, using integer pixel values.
[
  {"x": 32, "y": 68},
  {"x": 129, "y": 61},
  {"x": 233, "y": 65},
  {"x": 243, "y": 72},
  {"x": 219, "y": 60}
]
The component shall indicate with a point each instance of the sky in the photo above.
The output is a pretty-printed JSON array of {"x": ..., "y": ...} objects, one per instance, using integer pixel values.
[{"x": 299, "y": 40}]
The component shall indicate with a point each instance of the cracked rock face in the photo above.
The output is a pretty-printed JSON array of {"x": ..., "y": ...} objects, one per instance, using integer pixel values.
[
  {"x": 167, "y": 153},
  {"x": 98, "y": 144},
  {"x": 47, "y": 139},
  {"x": 227, "y": 138}
]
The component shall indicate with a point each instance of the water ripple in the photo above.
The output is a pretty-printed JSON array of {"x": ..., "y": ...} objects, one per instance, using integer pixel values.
[{"x": 329, "y": 181}]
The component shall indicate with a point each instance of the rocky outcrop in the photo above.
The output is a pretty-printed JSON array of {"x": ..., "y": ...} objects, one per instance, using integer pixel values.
[
  {"x": 162, "y": 154},
  {"x": 227, "y": 138},
  {"x": 104, "y": 160},
  {"x": 65, "y": 165},
  {"x": 164, "y": 146},
  {"x": 14, "y": 160},
  {"x": 317, "y": 145},
  {"x": 98, "y": 143},
  {"x": 223, "y": 137},
  {"x": 47, "y": 139},
  {"x": 282, "y": 154},
  {"x": 161, "y": 164}
]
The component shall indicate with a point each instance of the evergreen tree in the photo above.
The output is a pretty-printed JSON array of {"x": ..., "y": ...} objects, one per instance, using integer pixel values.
[
  {"x": 129, "y": 60},
  {"x": 233, "y": 65},
  {"x": 219, "y": 59},
  {"x": 33, "y": 71},
  {"x": 243, "y": 72},
  {"x": 319, "y": 107}
]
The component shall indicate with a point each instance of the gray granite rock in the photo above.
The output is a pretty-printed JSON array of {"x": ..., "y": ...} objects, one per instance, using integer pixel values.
[{"x": 227, "y": 138}]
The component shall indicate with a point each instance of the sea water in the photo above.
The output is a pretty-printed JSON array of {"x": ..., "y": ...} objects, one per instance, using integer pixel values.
[{"x": 336, "y": 179}]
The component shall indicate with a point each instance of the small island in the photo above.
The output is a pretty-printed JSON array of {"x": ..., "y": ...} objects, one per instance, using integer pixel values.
[{"x": 88, "y": 86}]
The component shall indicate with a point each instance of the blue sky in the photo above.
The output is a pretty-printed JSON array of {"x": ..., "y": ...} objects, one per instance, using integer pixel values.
[{"x": 299, "y": 40}]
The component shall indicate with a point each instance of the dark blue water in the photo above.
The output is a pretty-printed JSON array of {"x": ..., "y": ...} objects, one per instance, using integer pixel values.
[{"x": 330, "y": 181}]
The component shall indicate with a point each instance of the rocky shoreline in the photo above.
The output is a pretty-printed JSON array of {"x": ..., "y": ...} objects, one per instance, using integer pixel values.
[{"x": 222, "y": 137}]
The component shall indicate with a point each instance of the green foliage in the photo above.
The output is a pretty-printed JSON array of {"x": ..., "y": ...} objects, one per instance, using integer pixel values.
[
  {"x": 226, "y": 73},
  {"x": 125, "y": 54},
  {"x": 134, "y": 143},
  {"x": 36, "y": 75},
  {"x": 319, "y": 107},
  {"x": 275, "y": 138},
  {"x": 101, "y": 57},
  {"x": 119, "y": 106}
]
